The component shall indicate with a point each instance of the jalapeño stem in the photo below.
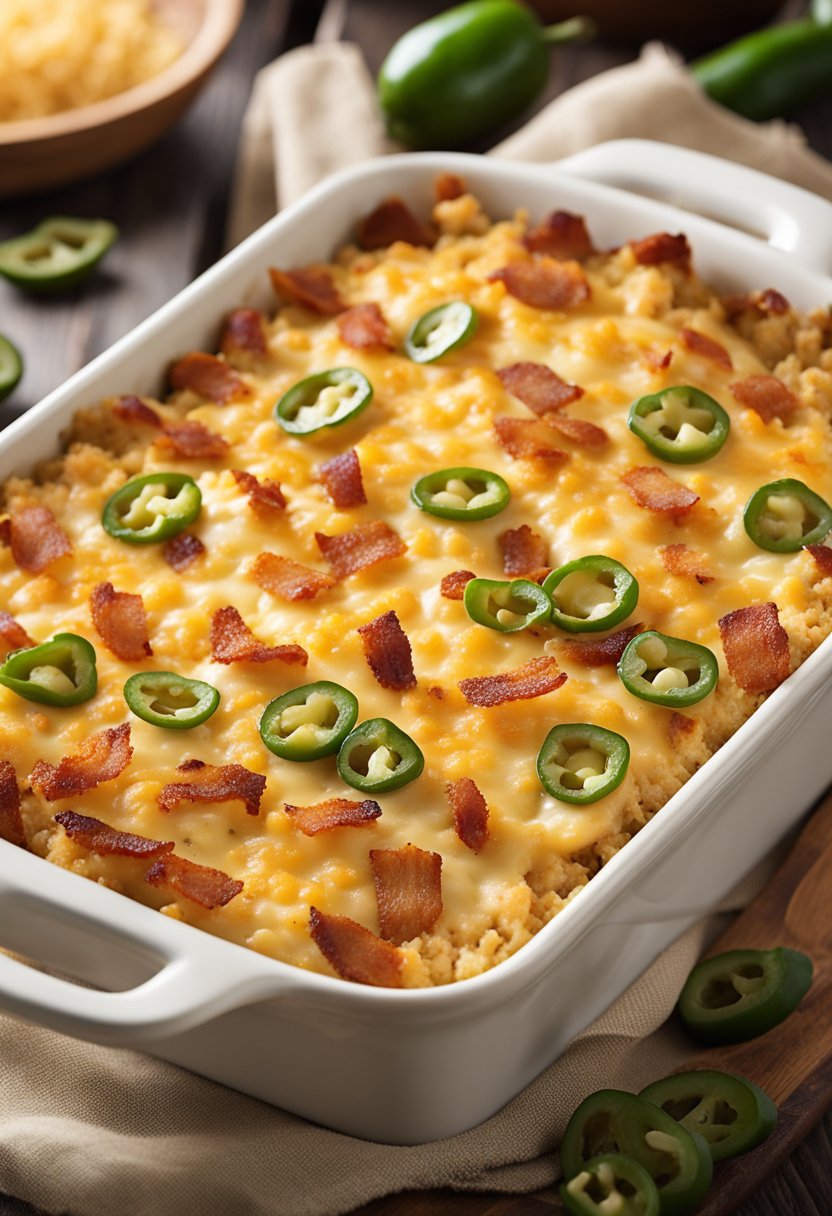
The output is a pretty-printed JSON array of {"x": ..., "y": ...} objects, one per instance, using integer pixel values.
[{"x": 61, "y": 672}]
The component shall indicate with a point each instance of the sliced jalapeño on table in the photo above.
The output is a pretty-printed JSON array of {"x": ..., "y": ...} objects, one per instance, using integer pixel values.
[
  {"x": 507, "y": 607},
  {"x": 785, "y": 515},
  {"x": 668, "y": 671},
  {"x": 309, "y": 722},
  {"x": 741, "y": 994},
  {"x": 324, "y": 400},
  {"x": 60, "y": 672},
  {"x": 440, "y": 331},
  {"x": 59, "y": 253},
  {"x": 730, "y": 1114},
  {"x": 171, "y": 701},
  {"x": 150, "y": 509},
  {"x": 611, "y": 1185},
  {"x": 11, "y": 367},
  {"x": 682, "y": 424},
  {"x": 461, "y": 493},
  {"x": 590, "y": 594},
  {"x": 582, "y": 763},
  {"x": 378, "y": 756}
]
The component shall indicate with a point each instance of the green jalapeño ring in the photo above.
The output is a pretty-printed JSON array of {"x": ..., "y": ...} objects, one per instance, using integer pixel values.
[
  {"x": 681, "y": 424},
  {"x": 322, "y": 401}
]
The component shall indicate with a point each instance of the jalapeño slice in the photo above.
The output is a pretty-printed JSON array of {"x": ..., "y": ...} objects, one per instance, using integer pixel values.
[
  {"x": 582, "y": 763},
  {"x": 57, "y": 254},
  {"x": 153, "y": 508},
  {"x": 11, "y": 367},
  {"x": 461, "y": 493},
  {"x": 309, "y": 722},
  {"x": 61, "y": 672},
  {"x": 681, "y": 424},
  {"x": 743, "y": 993},
  {"x": 591, "y": 593},
  {"x": 730, "y": 1114},
  {"x": 439, "y": 331},
  {"x": 166, "y": 699},
  {"x": 667, "y": 671},
  {"x": 611, "y": 1185},
  {"x": 324, "y": 400},
  {"x": 785, "y": 515},
  {"x": 378, "y": 756},
  {"x": 507, "y": 607}
]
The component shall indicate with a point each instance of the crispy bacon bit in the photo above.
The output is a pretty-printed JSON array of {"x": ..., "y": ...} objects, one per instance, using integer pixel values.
[
  {"x": 121, "y": 622},
  {"x": 701, "y": 344},
  {"x": 651, "y": 488},
  {"x": 579, "y": 431},
  {"x": 599, "y": 652},
  {"x": 561, "y": 235},
  {"x": 342, "y": 480},
  {"x": 679, "y": 559},
  {"x": 656, "y": 361},
  {"x": 201, "y": 884},
  {"x": 210, "y": 377},
  {"x": 769, "y": 302},
  {"x": 214, "y": 783},
  {"x": 408, "y": 891},
  {"x": 538, "y": 387},
  {"x": 36, "y": 539},
  {"x": 181, "y": 551},
  {"x": 756, "y": 647},
  {"x": 192, "y": 440},
  {"x": 766, "y": 396},
  {"x": 470, "y": 813},
  {"x": 529, "y": 439},
  {"x": 436, "y": 692},
  {"x": 334, "y": 813},
  {"x": 534, "y": 679},
  {"x": 100, "y": 838},
  {"x": 524, "y": 551},
  {"x": 364, "y": 545},
  {"x": 680, "y": 725},
  {"x": 662, "y": 247},
  {"x": 288, "y": 580},
  {"x": 12, "y": 635},
  {"x": 387, "y": 650},
  {"x": 11, "y": 821},
  {"x": 354, "y": 952},
  {"x": 453, "y": 585},
  {"x": 264, "y": 497},
  {"x": 822, "y": 556},
  {"x": 545, "y": 283},
  {"x": 449, "y": 186},
  {"x": 311, "y": 287},
  {"x": 244, "y": 332},
  {"x": 136, "y": 412},
  {"x": 772, "y": 301},
  {"x": 233, "y": 642},
  {"x": 363, "y": 327},
  {"x": 101, "y": 757},
  {"x": 392, "y": 220}
]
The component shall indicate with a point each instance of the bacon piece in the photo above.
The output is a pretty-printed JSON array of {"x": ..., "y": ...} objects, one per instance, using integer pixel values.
[
  {"x": 12, "y": 635},
  {"x": 662, "y": 247},
  {"x": 538, "y": 387},
  {"x": 525, "y": 553},
  {"x": 651, "y": 488},
  {"x": 363, "y": 327},
  {"x": 562, "y": 235},
  {"x": 529, "y": 439},
  {"x": 756, "y": 647},
  {"x": 534, "y": 679},
  {"x": 354, "y": 952},
  {"x": 342, "y": 480},
  {"x": 470, "y": 812},
  {"x": 244, "y": 332},
  {"x": 408, "y": 891},
  {"x": 136, "y": 412},
  {"x": 121, "y": 622},
  {"x": 679, "y": 726},
  {"x": 545, "y": 283},
  {"x": 288, "y": 580},
  {"x": 99, "y": 837},
  {"x": 233, "y": 642},
  {"x": 599, "y": 652},
  {"x": 201, "y": 884},
  {"x": 36, "y": 539},
  {"x": 334, "y": 813},
  {"x": 364, "y": 545},
  {"x": 679, "y": 559},
  {"x": 214, "y": 783},
  {"x": 453, "y": 585},
  {"x": 264, "y": 497},
  {"x": 822, "y": 556},
  {"x": 11, "y": 821},
  {"x": 392, "y": 220},
  {"x": 701, "y": 344},
  {"x": 387, "y": 651},
  {"x": 768, "y": 302},
  {"x": 656, "y": 361},
  {"x": 766, "y": 396},
  {"x": 101, "y": 757},
  {"x": 192, "y": 440},
  {"x": 182, "y": 551},
  {"x": 210, "y": 377},
  {"x": 311, "y": 286},
  {"x": 579, "y": 431},
  {"x": 449, "y": 186}
]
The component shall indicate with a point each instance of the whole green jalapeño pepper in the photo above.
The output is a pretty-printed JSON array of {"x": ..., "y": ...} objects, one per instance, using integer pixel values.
[
  {"x": 461, "y": 493},
  {"x": 785, "y": 515},
  {"x": 171, "y": 701},
  {"x": 11, "y": 367},
  {"x": 377, "y": 756},
  {"x": 61, "y": 672},
  {"x": 581, "y": 763},
  {"x": 681, "y": 424},
  {"x": 668, "y": 671},
  {"x": 324, "y": 400},
  {"x": 612, "y": 1121},
  {"x": 439, "y": 331},
  {"x": 591, "y": 593},
  {"x": 57, "y": 254},
  {"x": 730, "y": 1114},
  {"x": 150, "y": 509},
  {"x": 507, "y": 607},
  {"x": 743, "y": 993},
  {"x": 611, "y": 1184},
  {"x": 309, "y": 722}
]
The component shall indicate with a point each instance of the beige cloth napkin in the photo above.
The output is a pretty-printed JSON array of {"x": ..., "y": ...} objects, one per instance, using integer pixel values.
[{"x": 90, "y": 1131}]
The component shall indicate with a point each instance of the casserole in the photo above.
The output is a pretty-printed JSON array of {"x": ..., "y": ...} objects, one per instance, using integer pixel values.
[{"x": 407, "y": 1066}]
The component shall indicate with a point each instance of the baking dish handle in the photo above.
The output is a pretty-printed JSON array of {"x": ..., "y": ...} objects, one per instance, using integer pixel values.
[{"x": 791, "y": 219}]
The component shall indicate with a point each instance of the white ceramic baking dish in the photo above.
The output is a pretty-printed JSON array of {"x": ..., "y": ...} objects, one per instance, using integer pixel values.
[{"x": 409, "y": 1066}]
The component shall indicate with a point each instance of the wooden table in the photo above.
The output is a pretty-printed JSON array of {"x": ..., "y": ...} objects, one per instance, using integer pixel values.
[{"x": 170, "y": 205}]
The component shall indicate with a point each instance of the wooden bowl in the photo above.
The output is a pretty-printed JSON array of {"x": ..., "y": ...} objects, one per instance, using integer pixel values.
[{"x": 38, "y": 153}]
